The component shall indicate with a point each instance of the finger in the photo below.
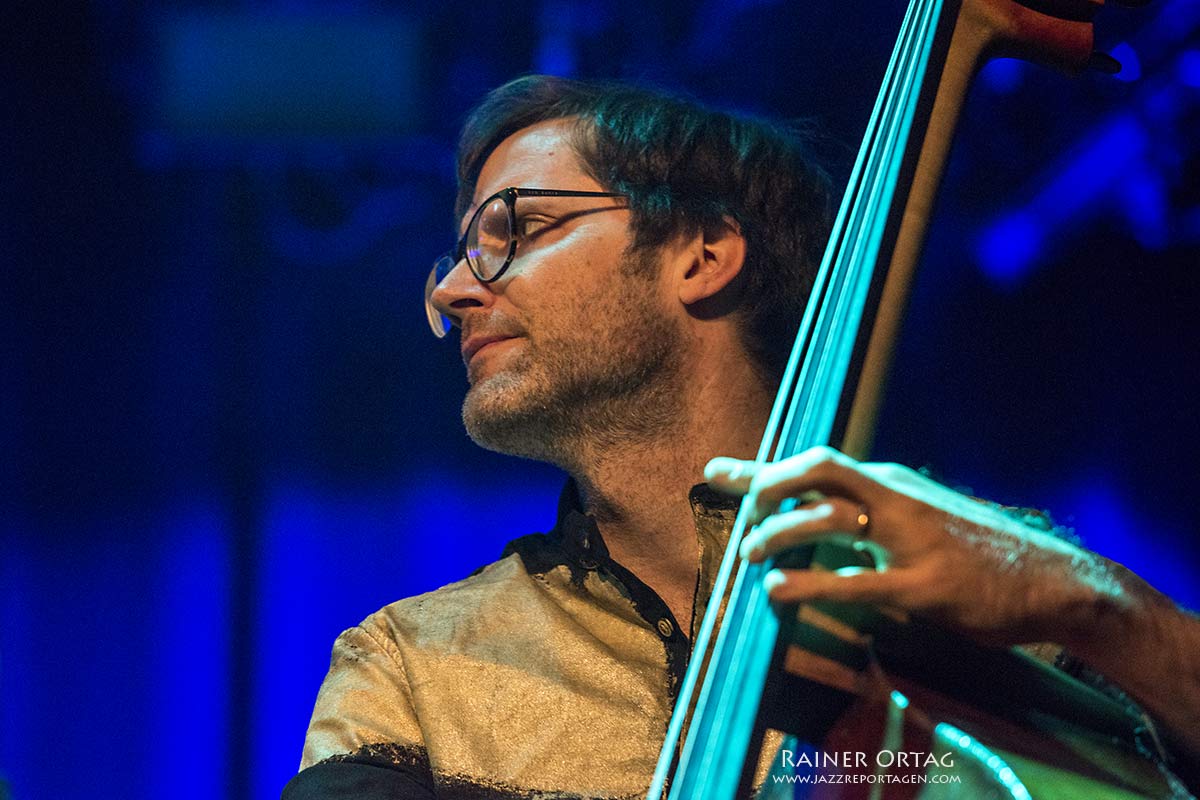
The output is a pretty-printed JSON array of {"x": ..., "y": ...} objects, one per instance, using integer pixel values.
[
  {"x": 731, "y": 475},
  {"x": 846, "y": 585},
  {"x": 820, "y": 469},
  {"x": 802, "y": 524}
]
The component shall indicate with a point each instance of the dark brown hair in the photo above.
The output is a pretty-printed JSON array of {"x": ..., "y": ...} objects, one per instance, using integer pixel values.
[{"x": 685, "y": 168}]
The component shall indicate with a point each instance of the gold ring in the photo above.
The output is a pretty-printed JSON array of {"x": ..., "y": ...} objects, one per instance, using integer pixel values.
[{"x": 864, "y": 523}]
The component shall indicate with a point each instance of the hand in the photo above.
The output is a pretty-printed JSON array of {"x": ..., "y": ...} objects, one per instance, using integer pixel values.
[{"x": 965, "y": 563}]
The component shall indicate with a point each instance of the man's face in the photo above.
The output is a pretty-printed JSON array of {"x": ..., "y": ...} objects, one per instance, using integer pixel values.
[{"x": 574, "y": 344}]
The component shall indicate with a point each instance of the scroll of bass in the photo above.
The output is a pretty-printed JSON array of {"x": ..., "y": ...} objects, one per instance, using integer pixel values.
[{"x": 974, "y": 721}]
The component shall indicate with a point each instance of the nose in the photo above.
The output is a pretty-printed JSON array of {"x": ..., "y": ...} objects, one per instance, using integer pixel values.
[{"x": 459, "y": 291}]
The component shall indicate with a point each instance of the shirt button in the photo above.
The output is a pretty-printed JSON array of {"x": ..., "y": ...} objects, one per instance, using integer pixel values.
[{"x": 665, "y": 627}]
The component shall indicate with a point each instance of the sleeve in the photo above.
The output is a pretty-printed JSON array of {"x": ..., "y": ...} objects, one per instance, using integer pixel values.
[{"x": 364, "y": 740}]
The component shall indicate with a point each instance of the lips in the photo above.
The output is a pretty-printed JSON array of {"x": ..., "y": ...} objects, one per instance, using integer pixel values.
[{"x": 477, "y": 342}]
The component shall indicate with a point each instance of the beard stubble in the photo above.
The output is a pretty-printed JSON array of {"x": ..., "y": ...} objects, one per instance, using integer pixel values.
[{"x": 612, "y": 382}]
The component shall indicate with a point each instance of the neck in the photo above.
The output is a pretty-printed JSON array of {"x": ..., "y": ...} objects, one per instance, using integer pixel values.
[{"x": 638, "y": 491}]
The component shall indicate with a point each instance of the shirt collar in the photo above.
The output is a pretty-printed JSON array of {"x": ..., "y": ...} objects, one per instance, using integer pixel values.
[{"x": 581, "y": 537}]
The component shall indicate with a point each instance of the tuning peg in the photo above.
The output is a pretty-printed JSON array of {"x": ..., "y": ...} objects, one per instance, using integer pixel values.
[{"x": 1103, "y": 62}]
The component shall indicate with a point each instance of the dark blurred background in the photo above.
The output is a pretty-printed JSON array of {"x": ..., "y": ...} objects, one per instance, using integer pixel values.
[{"x": 229, "y": 435}]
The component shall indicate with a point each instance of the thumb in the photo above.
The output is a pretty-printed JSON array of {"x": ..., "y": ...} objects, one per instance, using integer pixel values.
[{"x": 731, "y": 475}]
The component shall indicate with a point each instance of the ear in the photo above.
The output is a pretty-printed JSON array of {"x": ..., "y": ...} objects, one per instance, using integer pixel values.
[{"x": 714, "y": 259}]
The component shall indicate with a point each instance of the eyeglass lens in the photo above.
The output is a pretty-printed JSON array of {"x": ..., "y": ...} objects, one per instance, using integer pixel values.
[
  {"x": 439, "y": 324},
  {"x": 487, "y": 244},
  {"x": 489, "y": 239}
]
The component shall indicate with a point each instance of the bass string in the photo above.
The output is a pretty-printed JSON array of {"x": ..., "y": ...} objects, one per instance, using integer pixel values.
[
  {"x": 879, "y": 171},
  {"x": 833, "y": 342},
  {"x": 816, "y": 402}
]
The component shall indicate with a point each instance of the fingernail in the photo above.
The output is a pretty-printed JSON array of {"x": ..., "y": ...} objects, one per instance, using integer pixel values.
[
  {"x": 773, "y": 579},
  {"x": 722, "y": 467},
  {"x": 750, "y": 548}
]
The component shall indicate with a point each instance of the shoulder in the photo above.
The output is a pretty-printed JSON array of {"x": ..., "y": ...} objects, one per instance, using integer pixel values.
[
  {"x": 515, "y": 584},
  {"x": 367, "y": 696}
]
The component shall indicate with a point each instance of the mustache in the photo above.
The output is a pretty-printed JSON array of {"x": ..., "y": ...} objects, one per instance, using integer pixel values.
[{"x": 492, "y": 326}]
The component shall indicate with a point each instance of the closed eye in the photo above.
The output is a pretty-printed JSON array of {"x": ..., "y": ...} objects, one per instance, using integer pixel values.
[{"x": 531, "y": 226}]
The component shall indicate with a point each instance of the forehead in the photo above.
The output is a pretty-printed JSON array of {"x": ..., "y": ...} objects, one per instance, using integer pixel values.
[{"x": 537, "y": 157}]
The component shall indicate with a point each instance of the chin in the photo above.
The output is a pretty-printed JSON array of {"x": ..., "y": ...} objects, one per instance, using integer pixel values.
[{"x": 501, "y": 414}]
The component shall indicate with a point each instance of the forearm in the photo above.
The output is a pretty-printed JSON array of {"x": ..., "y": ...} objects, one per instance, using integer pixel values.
[{"x": 1150, "y": 648}]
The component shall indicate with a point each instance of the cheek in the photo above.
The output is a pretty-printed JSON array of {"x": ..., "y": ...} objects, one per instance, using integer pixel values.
[
  {"x": 572, "y": 287},
  {"x": 563, "y": 294}
]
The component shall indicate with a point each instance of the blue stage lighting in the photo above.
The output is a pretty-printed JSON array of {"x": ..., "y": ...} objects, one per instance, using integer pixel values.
[
  {"x": 1131, "y": 66},
  {"x": 1189, "y": 68},
  {"x": 1008, "y": 249},
  {"x": 1003, "y": 75}
]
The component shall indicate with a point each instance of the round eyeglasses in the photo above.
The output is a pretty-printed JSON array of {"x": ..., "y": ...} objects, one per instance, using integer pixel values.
[{"x": 489, "y": 244}]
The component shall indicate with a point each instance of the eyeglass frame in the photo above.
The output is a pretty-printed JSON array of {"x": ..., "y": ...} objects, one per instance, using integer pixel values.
[{"x": 437, "y": 320}]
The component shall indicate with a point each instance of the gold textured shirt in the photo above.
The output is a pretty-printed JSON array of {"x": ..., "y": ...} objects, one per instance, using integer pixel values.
[{"x": 551, "y": 673}]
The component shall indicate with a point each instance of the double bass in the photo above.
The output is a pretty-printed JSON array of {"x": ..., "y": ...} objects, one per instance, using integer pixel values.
[{"x": 993, "y": 722}]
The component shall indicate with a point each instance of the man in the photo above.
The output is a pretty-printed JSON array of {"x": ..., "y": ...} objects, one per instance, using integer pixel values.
[{"x": 630, "y": 276}]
